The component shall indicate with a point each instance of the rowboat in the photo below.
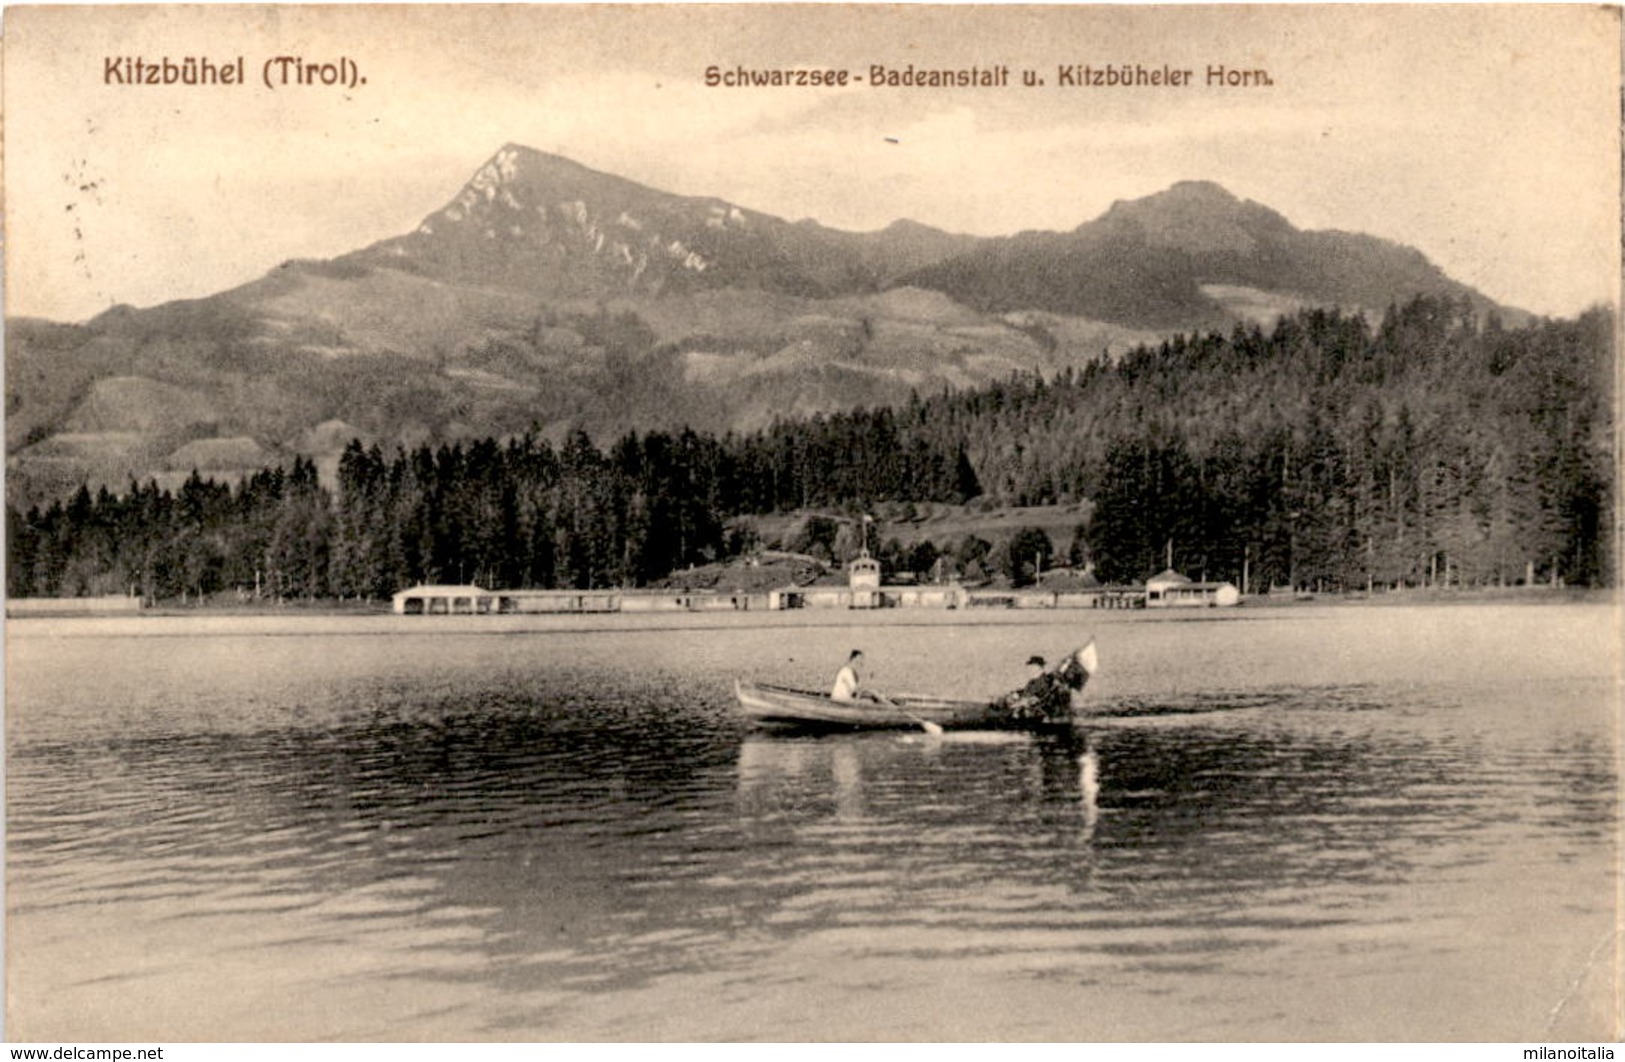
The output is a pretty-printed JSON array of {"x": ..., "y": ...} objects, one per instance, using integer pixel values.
[{"x": 784, "y": 707}]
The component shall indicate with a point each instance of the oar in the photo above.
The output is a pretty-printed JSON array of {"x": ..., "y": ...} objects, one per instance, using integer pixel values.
[{"x": 934, "y": 729}]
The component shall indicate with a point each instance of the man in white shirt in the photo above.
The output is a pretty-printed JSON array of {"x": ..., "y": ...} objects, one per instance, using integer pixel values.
[{"x": 846, "y": 680}]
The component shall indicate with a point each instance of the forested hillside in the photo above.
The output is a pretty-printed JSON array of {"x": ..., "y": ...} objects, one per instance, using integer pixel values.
[{"x": 1325, "y": 453}]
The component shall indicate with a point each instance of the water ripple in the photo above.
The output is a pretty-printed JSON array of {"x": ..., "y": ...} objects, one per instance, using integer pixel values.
[{"x": 585, "y": 848}]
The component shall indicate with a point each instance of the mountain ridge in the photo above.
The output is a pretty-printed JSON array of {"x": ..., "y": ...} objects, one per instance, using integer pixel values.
[
  {"x": 546, "y": 294},
  {"x": 1144, "y": 262}
]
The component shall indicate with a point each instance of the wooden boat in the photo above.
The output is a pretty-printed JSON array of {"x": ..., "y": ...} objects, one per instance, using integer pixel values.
[{"x": 783, "y": 707}]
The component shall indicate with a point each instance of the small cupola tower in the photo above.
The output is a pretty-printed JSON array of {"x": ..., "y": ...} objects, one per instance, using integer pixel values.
[{"x": 864, "y": 572}]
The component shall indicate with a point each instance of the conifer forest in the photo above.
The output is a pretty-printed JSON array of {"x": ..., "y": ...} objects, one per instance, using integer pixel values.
[{"x": 1326, "y": 453}]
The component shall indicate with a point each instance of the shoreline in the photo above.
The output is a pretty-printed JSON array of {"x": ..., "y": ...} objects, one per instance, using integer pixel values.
[
  {"x": 377, "y": 620},
  {"x": 1412, "y": 596}
]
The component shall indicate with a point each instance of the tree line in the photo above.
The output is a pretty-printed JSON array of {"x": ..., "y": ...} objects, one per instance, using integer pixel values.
[{"x": 1324, "y": 453}]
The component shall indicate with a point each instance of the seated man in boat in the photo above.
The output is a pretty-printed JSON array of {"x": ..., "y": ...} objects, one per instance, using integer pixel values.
[
  {"x": 846, "y": 679},
  {"x": 1045, "y": 697}
]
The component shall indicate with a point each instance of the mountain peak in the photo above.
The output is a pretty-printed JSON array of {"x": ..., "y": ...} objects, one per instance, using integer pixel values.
[
  {"x": 531, "y": 221},
  {"x": 531, "y": 162},
  {"x": 1192, "y": 198},
  {"x": 1208, "y": 191},
  {"x": 1199, "y": 216},
  {"x": 908, "y": 225},
  {"x": 1156, "y": 262},
  {"x": 521, "y": 178}
]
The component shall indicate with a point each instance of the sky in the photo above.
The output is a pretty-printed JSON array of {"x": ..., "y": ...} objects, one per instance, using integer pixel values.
[{"x": 1486, "y": 137}]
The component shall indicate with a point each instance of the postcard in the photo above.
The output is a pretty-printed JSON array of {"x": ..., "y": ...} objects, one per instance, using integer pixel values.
[{"x": 812, "y": 523}]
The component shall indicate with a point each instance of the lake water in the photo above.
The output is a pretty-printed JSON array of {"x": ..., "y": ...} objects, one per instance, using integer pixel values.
[{"x": 1309, "y": 823}]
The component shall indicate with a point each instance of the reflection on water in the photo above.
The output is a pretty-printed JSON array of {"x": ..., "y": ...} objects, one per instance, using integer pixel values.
[
  {"x": 482, "y": 845},
  {"x": 919, "y": 782}
]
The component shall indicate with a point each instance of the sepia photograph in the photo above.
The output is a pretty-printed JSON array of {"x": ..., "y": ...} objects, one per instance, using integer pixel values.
[{"x": 671, "y": 523}]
